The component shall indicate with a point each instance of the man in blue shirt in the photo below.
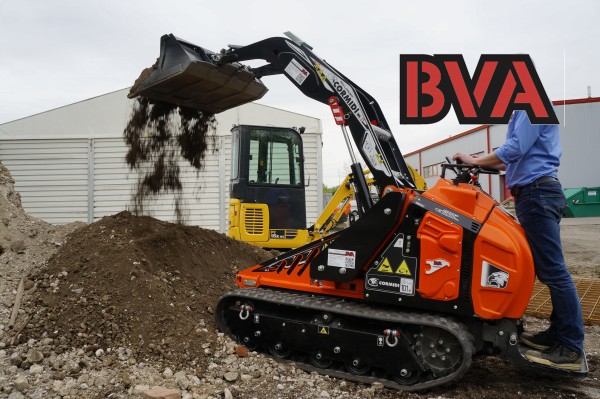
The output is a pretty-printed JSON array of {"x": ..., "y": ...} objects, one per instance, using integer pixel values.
[{"x": 531, "y": 156}]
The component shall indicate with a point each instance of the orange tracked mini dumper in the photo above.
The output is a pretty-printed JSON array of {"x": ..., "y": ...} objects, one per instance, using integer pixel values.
[{"x": 407, "y": 294}]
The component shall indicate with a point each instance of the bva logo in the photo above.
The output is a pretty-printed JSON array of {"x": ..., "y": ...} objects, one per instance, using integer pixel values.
[{"x": 501, "y": 84}]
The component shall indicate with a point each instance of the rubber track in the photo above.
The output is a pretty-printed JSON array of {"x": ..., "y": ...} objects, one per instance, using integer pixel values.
[{"x": 342, "y": 307}]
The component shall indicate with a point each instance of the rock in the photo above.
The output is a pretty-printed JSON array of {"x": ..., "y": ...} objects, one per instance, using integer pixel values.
[
  {"x": 108, "y": 361},
  {"x": 161, "y": 393},
  {"x": 36, "y": 369},
  {"x": 168, "y": 373},
  {"x": 230, "y": 376},
  {"x": 227, "y": 394},
  {"x": 179, "y": 374},
  {"x": 324, "y": 394},
  {"x": 181, "y": 380},
  {"x": 280, "y": 387},
  {"x": 126, "y": 378},
  {"x": 18, "y": 246},
  {"x": 29, "y": 284},
  {"x": 15, "y": 359},
  {"x": 21, "y": 384},
  {"x": 59, "y": 375},
  {"x": 35, "y": 356},
  {"x": 57, "y": 385},
  {"x": 99, "y": 352},
  {"x": 16, "y": 395},
  {"x": 241, "y": 351},
  {"x": 256, "y": 374},
  {"x": 377, "y": 386},
  {"x": 140, "y": 389},
  {"x": 368, "y": 392},
  {"x": 100, "y": 381}
]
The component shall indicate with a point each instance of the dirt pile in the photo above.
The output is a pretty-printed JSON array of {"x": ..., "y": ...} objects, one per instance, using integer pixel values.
[
  {"x": 140, "y": 283},
  {"x": 159, "y": 136}
]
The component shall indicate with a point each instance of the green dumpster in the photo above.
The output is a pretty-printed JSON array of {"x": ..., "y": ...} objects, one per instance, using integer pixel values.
[{"x": 582, "y": 202}]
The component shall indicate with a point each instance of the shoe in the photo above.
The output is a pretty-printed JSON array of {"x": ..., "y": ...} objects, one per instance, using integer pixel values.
[
  {"x": 540, "y": 341},
  {"x": 558, "y": 356}
]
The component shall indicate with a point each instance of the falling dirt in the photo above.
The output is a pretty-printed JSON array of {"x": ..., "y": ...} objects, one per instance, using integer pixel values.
[{"x": 159, "y": 136}]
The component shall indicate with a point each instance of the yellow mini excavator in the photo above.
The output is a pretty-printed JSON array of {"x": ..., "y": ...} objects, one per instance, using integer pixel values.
[{"x": 267, "y": 204}]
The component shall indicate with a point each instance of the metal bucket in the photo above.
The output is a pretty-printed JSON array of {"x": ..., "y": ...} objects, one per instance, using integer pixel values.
[{"x": 186, "y": 75}]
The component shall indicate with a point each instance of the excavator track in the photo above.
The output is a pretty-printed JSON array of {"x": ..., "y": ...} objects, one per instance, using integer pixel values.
[{"x": 347, "y": 339}]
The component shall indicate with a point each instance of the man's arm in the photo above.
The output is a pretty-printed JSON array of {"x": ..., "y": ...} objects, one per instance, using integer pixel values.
[{"x": 486, "y": 161}]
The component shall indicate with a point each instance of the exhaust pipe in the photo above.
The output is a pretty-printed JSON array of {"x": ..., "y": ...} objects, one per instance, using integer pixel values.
[{"x": 189, "y": 76}]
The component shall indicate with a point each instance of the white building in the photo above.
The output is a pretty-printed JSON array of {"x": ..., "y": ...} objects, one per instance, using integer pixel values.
[
  {"x": 69, "y": 163},
  {"x": 579, "y": 135}
]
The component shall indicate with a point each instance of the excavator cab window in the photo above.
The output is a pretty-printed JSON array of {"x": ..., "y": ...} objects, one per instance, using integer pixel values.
[{"x": 275, "y": 157}]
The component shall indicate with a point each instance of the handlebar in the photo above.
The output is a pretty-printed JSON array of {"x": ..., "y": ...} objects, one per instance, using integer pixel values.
[{"x": 466, "y": 173}]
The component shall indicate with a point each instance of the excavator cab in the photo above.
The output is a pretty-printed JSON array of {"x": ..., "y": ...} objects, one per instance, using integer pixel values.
[{"x": 267, "y": 198}]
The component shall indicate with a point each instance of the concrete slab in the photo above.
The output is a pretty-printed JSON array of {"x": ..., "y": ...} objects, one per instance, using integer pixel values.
[{"x": 580, "y": 221}]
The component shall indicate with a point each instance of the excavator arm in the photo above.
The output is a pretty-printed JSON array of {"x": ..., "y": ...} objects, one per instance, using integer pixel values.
[{"x": 191, "y": 76}]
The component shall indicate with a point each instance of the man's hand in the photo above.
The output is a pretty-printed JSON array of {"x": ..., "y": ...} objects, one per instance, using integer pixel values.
[
  {"x": 464, "y": 158},
  {"x": 485, "y": 161}
]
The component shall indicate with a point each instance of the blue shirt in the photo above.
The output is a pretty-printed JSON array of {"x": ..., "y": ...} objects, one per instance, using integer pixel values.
[{"x": 530, "y": 151}]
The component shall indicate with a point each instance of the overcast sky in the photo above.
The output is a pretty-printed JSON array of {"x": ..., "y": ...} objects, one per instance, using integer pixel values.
[{"x": 58, "y": 52}]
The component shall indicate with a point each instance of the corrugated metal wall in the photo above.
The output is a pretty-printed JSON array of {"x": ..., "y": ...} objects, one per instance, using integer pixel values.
[
  {"x": 51, "y": 176},
  {"x": 580, "y": 141},
  {"x": 313, "y": 176}
]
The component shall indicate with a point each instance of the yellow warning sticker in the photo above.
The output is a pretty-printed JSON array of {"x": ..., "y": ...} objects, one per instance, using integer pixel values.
[
  {"x": 324, "y": 330},
  {"x": 403, "y": 269},
  {"x": 385, "y": 267}
]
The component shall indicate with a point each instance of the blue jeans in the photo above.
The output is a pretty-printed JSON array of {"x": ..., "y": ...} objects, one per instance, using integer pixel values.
[{"x": 539, "y": 209}]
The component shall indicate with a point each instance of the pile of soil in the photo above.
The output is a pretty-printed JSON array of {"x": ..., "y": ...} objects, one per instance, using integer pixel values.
[
  {"x": 159, "y": 136},
  {"x": 141, "y": 283}
]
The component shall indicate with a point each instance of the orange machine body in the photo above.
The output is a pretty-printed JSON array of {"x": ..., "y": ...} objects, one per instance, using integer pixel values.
[{"x": 469, "y": 249}]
